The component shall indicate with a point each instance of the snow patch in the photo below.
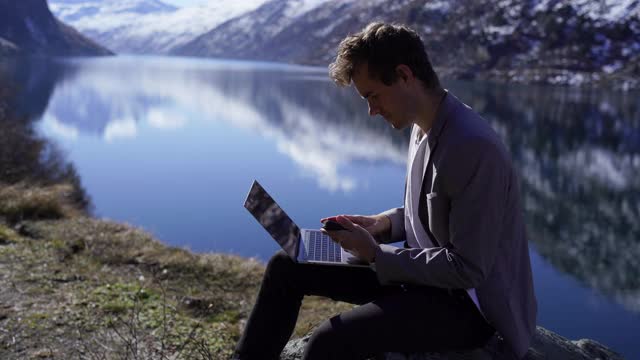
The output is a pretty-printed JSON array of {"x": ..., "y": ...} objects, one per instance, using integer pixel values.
[
  {"x": 295, "y": 8},
  {"x": 500, "y": 30},
  {"x": 605, "y": 10},
  {"x": 438, "y": 5}
]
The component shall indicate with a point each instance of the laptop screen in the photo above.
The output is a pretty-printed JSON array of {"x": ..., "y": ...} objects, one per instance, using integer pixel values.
[{"x": 273, "y": 219}]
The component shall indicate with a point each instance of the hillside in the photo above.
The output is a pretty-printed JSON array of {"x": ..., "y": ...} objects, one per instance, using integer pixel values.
[
  {"x": 28, "y": 27},
  {"x": 558, "y": 42}
]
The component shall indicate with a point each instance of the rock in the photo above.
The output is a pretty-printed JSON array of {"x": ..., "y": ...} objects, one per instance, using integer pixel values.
[
  {"x": 5, "y": 313},
  {"x": 546, "y": 345},
  {"x": 26, "y": 229}
]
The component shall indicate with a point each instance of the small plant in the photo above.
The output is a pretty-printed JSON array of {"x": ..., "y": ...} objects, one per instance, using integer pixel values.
[{"x": 137, "y": 321}]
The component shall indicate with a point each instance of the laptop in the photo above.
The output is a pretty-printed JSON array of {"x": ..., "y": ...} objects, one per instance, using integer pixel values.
[{"x": 302, "y": 245}]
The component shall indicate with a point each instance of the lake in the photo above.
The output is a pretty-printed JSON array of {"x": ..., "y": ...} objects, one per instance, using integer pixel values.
[{"x": 172, "y": 145}]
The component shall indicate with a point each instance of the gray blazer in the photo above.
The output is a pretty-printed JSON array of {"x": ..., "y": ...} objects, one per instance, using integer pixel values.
[{"x": 470, "y": 206}]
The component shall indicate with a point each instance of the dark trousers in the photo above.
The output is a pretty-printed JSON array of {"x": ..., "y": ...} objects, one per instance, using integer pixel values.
[{"x": 390, "y": 318}]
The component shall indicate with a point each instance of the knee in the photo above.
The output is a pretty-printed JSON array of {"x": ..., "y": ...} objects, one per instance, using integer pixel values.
[{"x": 279, "y": 263}]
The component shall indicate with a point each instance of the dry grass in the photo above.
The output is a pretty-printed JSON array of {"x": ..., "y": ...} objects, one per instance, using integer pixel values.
[
  {"x": 21, "y": 201},
  {"x": 67, "y": 274}
]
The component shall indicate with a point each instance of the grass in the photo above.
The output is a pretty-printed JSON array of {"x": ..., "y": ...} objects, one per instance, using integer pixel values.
[
  {"x": 19, "y": 202},
  {"x": 112, "y": 291}
]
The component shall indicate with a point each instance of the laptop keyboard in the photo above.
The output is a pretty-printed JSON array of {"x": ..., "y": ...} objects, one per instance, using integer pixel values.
[{"x": 321, "y": 248}]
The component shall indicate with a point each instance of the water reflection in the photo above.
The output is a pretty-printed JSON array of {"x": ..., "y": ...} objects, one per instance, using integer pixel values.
[
  {"x": 579, "y": 158},
  {"x": 31, "y": 82},
  {"x": 578, "y": 151},
  {"x": 25, "y": 156},
  {"x": 274, "y": 101}
]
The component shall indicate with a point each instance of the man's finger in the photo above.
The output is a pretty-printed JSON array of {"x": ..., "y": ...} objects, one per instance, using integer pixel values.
[
  {"x": 328, "y": 218},
  {"x": 358, "y": 219},
  {"x": 345, "y": 222}
]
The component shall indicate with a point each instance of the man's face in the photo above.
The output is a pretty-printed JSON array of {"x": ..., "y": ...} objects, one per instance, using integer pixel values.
[{"x": 391, "y": 102}]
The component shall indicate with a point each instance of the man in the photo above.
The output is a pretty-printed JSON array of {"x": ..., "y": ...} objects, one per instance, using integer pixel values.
[{"x": 464, "y": 272}]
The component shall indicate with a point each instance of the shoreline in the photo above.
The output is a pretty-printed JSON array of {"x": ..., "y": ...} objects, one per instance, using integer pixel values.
[
  {"x": 555, "y": 77},
  {"x": 74, "y": 282},
  {"x": 76, "y": 286}
]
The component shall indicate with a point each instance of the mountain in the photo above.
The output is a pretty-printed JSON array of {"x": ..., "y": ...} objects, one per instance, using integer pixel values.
[
  {"x": 279, "y": 30},
  {"x": 564, "y": 42},
  {"x": 71, "y": 10},
  {"x": 146, "y": 26},
  {"x": 29, "y": 27}
]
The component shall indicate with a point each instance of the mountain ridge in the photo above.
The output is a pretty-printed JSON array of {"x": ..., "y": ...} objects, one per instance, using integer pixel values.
[
  {"x": 124, "y": 27},
  {"x": 549, "y": 41},
  {"x": 28, "y": 27}
]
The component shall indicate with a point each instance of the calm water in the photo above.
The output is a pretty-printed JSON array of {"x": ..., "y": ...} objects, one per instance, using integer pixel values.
[{"x": 172, "y": 145}]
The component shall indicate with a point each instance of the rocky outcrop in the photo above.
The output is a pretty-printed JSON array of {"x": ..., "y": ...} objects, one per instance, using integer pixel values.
[
  {"x": 546, "y": 345},
  {"x": 28, "y": 27}
]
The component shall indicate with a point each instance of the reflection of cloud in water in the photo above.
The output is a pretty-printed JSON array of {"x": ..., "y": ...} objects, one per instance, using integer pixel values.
[
  {"x": 120, "y": 129},
  {"x": 166, "y": 118},
  {"x": 52, "y": 124},
  {"x": 319, "y": 145},
  {"x": 578, "y": 152}
]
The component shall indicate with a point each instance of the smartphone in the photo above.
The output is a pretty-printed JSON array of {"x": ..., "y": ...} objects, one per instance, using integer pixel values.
[{"x": 331, "y": 225}]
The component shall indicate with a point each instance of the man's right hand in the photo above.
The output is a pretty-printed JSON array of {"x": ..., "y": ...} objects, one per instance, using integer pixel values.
[{"x": 379, "y": 226}]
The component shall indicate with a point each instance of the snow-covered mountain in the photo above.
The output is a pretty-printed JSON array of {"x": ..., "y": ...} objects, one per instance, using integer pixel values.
[
  {"x": 566, "y": 42},
  {"x": 146, "y": 26},
  {"x": 28, "y": 27},
  {"x": 572, "y": 42},
  {"x": 274, "y": 31},
  {"x": 77, "y": 9}
]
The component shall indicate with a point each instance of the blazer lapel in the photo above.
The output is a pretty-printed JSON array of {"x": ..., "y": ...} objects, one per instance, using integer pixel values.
[{"x": 427, "y": 180}]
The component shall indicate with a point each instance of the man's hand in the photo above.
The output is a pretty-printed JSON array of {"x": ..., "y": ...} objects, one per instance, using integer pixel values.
[
  {"x": 379, "y": 226},
  {"x": 356, "y": 239}
]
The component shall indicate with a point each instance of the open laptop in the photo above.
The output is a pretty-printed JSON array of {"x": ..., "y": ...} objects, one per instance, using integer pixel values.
[{"x": 302, "y": 245}]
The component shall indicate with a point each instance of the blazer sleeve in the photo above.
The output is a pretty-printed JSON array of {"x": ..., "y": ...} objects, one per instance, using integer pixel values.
[
  {"x": 397, "y": 225},
  {"x": 475, "y": 181}
]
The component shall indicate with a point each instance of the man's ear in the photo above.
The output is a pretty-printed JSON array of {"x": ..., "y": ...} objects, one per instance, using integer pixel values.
[{"x": 404, "y": 73}]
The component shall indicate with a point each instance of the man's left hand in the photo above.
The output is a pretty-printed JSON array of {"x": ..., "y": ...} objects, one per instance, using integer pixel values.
[{"x": 355, "y": 239}]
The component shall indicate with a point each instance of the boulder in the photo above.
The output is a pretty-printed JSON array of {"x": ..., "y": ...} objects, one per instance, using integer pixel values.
[{"x": 546, "y": 345}]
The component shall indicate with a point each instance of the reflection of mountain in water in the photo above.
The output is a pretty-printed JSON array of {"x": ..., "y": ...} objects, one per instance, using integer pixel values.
[
  {"x": 26, "y": 157},
  {"x": 33, "y": 81},
  {"x": 578, "y": 151},
  {"x": 274, "y": 93},
  {"x": 320, "y": 127},
  {"x": 579, "y": 156}
]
